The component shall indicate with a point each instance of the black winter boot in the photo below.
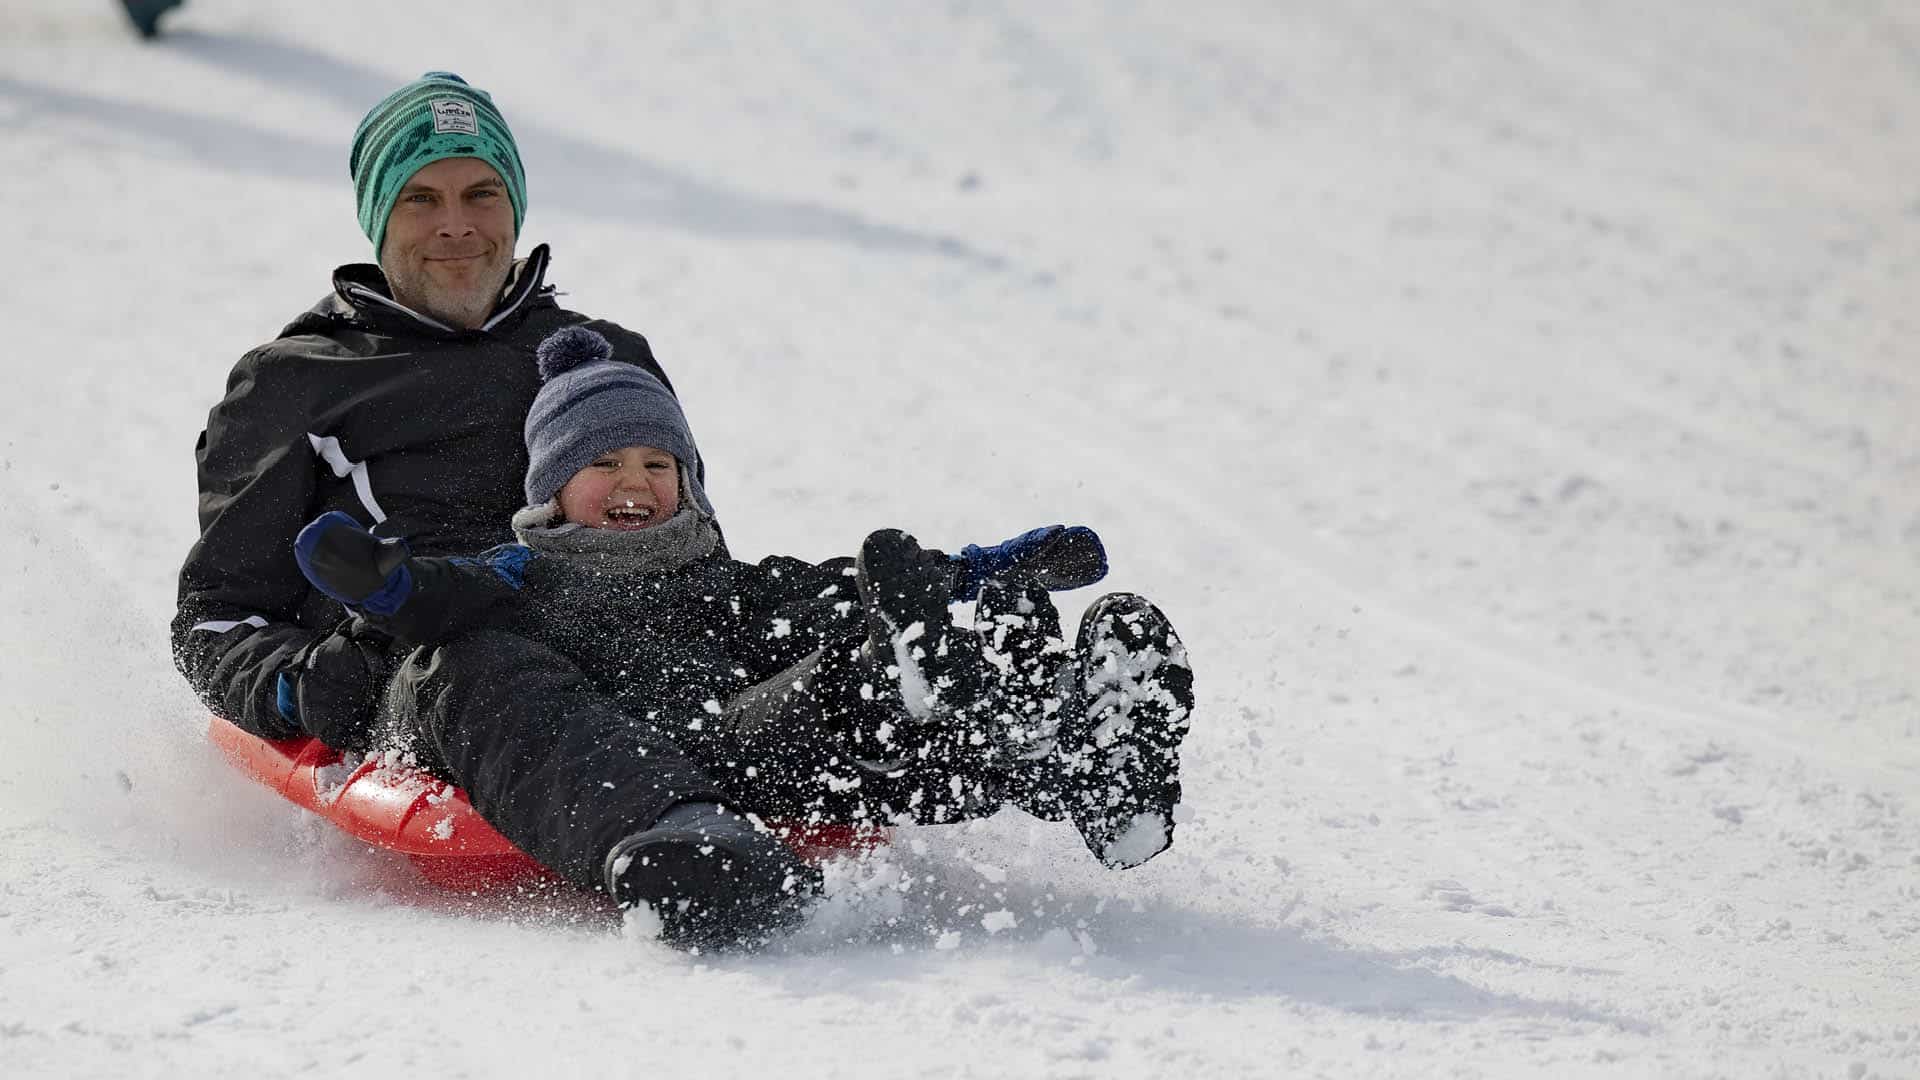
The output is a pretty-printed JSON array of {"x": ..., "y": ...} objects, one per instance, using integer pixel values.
[
  {"x": 1028, "y": 674},
  {"x": 906, "y": 591},
  {"x": 1117, "y": 762},
  {"x": 715, "y": 880}
]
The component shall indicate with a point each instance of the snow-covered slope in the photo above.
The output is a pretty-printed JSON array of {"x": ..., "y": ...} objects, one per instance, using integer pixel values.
[{"x": 1511, "y": 402}]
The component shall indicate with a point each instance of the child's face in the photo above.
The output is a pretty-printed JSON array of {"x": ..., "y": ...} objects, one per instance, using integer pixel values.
[{"x": 636, "y": 487}]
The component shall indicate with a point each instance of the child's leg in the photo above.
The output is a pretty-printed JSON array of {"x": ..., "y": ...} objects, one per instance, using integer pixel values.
[
  {"x": 926, "y": 721},
  {"x": 830, "y": 740},
  {"x": 1092, "y": 734}
]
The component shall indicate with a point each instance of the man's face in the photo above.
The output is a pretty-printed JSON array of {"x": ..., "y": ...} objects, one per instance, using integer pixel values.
[
  {"x": 449, "y": 241},
  {"x": 636, "y": 487}
]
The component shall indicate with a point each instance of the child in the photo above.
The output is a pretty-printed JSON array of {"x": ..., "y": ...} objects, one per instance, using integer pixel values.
[{"x": 837, "y": 692}]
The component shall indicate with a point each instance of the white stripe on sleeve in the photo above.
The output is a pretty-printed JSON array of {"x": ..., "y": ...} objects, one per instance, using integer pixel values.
[
  {"x": 331, "y": 452},
  {"x": 221, "y": 626}
]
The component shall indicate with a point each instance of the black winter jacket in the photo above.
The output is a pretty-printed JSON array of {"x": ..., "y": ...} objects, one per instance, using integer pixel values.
[
  {"x": 753, "y": 671},
  {"x": 360, "y": 405}
]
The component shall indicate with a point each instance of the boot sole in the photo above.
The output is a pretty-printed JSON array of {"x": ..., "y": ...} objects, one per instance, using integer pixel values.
[{"x": 1139, "y": 693}]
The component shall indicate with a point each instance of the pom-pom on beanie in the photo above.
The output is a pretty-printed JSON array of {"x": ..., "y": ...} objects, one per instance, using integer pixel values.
[
  {"x": 434, "y": 117},
  {"x": 589, "y": 404}
]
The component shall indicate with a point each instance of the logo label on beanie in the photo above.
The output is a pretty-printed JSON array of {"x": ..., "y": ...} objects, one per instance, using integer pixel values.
[{"x": 453, "y": 115}]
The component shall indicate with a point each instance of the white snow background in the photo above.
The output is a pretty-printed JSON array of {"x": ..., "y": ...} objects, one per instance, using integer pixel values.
[{"x": 1513, "y": 404}]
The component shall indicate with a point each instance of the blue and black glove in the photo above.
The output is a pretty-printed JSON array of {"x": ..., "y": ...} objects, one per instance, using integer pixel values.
[
  {"x": 332, "y": 687},
  {"x": 1055, "y": 557},
  {"x": 344, "y": 560}
]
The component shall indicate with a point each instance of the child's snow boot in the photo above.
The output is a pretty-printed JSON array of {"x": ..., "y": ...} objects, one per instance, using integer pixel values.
[
  {"x": 714, "y": 880},
  {"x": 1117, "y": 763},
  {"x": 906, "y": 591},
  {"x": 936, "y": 669},
  {"x": 1028, "y": 678}
]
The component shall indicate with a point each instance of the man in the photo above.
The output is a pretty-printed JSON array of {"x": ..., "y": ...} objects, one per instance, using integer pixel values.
[{"x": 400, "y": 399}]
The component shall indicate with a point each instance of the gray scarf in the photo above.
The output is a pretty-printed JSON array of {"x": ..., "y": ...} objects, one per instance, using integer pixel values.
[{"x": 679, "y": 541}]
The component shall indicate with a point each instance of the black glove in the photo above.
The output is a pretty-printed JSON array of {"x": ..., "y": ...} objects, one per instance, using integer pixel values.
[
  {"x": 335, "y": 685},
  {"x": 342, "y": 559}
]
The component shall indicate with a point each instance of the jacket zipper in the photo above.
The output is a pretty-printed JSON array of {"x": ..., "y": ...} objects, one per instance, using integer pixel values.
[
  {"x": 532, "y": 284},
  {"x": 535, "y": 275}
]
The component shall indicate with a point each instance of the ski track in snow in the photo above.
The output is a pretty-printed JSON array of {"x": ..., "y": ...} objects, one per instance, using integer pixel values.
[{"x": 1509, "y": 403}]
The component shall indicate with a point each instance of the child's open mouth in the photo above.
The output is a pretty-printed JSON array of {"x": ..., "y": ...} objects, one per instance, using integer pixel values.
[{"x": 630, "y": 516}]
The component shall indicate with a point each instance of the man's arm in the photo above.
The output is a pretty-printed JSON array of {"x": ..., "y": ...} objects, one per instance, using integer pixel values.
[{"x": 234, "y": 631}]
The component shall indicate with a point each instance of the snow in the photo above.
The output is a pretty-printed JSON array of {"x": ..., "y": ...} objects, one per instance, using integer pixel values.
[
  {"x": 1510, "y": 403},
  {"x": 916, "y": 692},
  {"x": 1144, "y": 836}
]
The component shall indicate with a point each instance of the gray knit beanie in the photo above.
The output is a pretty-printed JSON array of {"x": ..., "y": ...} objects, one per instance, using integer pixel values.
[{"x": 590, "y": 404}]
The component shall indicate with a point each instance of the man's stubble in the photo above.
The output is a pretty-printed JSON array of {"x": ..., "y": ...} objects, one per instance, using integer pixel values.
[{"x": 459, "y": 305}]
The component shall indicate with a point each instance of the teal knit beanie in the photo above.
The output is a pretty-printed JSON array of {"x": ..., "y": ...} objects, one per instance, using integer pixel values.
[{"x": 435, "y": 117}]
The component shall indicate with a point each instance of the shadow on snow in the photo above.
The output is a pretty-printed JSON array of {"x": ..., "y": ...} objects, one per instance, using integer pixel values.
[{"x": 572, "y": 175}]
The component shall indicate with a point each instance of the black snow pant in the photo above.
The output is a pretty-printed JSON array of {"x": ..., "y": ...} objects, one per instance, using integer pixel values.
[
  {"x": 828, "y": 740},
  {"x": 565, "y": 773},
  {"x": 543, "y": 757}
]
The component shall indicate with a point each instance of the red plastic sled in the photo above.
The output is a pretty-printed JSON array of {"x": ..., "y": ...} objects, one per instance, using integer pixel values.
[{"x": 402, "y": 808}]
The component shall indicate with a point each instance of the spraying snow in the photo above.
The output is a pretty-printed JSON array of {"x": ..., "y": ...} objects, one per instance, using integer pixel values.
[{"x": 1510, "y": 402}]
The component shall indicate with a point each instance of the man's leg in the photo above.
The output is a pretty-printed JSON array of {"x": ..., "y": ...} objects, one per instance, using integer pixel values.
[{"x": 545, "y": 759}]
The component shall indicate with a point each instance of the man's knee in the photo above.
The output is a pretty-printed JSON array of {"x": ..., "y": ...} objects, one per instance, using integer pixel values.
[
  {"x": 487, "y": 689},
  {"x": 485, "y": 671}
]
